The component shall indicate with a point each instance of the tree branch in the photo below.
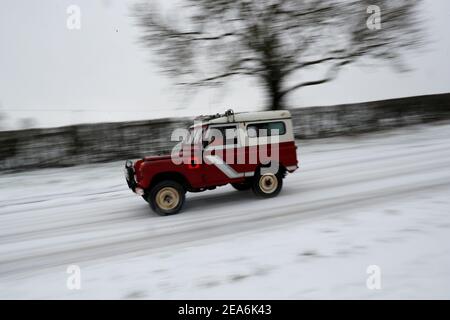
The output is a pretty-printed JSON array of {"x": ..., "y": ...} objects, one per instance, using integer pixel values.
[
  {"x": 217, "y": 77},
  {"x": 305, "y": 84},
  {"x": 207, "y": 38},
  {"x": 331, "y": 75},
  {"x": 310, "y": 63},
  {"x": 296, "y": 14}
]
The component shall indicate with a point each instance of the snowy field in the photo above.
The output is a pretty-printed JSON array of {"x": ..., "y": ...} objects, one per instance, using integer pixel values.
[{"x": 379, "y": 199}]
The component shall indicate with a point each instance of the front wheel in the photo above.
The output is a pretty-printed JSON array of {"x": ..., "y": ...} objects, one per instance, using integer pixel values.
[
  {"x": 167, "y": 197},
  {"x": 267, "y": 185}
]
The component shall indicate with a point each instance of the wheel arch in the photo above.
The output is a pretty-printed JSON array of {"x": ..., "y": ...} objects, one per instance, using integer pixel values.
[
  {"x": 281, "y": 168},
  {"x": 174, "y": 176}
]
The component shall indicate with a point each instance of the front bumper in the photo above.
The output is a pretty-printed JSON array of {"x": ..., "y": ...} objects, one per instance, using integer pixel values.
[{"x": 129, "y": 177}]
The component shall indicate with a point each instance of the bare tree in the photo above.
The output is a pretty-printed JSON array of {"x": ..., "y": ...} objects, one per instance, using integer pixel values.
[{"x": 210, "y": 41}]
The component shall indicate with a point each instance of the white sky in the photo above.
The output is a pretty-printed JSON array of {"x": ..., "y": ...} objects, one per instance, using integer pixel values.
[{"x": 101, "y": 73}]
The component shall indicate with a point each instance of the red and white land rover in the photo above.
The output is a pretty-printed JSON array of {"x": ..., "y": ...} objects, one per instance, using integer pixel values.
[{"x": 253, "y": 150}]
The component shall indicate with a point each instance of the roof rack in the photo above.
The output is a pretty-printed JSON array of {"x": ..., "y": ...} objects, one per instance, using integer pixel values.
[{"x": 229, "y": 113}]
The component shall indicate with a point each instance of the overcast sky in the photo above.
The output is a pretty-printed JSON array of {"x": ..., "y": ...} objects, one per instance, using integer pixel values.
[{"x": 101, "y": 73}]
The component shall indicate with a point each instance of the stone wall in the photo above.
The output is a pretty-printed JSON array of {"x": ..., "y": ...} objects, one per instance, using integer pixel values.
[
  {"x": 319, "y": 122},
  {"x": 91, "y": 143}
]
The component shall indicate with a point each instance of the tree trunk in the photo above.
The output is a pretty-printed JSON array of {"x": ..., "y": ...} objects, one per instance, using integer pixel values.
[
  {"x": 276, "y": 98},
  {"x": 274, "y": 75},
  {"x": 276, "y": 102}
]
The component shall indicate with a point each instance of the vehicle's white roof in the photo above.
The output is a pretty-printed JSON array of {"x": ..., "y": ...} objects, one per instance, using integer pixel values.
[{"x": 251, "y": 116}]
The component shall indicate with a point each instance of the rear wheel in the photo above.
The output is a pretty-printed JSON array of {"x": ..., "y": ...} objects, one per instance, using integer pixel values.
[
  {"x": 267, "y": 185},
  {"x": 242, "y": 186},
  {"x": 167, "y": 197}
]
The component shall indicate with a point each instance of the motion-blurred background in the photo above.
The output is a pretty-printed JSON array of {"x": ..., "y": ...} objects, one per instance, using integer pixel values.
[
  {"x": 68, "y": 63},
  {"x": 51, "y": 75}
]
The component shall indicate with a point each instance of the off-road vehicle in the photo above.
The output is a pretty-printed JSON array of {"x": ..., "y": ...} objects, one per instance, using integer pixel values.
[{"x": 253, "y": 150}]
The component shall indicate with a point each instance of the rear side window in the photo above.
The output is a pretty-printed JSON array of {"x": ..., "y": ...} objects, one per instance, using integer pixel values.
[{"x": 265, "y": 129}]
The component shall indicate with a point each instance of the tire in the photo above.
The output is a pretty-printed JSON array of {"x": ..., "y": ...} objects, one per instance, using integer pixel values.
[
  {"x": 267, "y": 185},
  {"x": 167, "y": 197},
  {"x": 242, "y": 186}
]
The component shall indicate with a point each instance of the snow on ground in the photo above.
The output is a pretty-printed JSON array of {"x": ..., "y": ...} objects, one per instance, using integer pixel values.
[{"x": 379, "y": 199}]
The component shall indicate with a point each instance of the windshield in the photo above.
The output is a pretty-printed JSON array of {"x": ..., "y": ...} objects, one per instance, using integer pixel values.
[{"x": 195, "y": 135}]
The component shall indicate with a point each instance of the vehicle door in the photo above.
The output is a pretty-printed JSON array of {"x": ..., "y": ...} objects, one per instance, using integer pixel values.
[{"x": 221, "y": 154}]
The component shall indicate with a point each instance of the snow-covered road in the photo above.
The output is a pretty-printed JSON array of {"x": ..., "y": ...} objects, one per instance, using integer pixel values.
[{"x": 380, "y": 199}]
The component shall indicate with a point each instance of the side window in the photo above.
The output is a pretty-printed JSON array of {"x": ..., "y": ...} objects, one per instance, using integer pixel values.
[
  {"x": 277, "y": 128},
  {"x": 252, "y": 131},
  {"x": 266, "y": 129},
  {"x": 226, "y": 135}
]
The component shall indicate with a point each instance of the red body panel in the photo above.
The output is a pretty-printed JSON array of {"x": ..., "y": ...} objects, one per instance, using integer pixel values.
[{"x": 206, "y": 175}]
